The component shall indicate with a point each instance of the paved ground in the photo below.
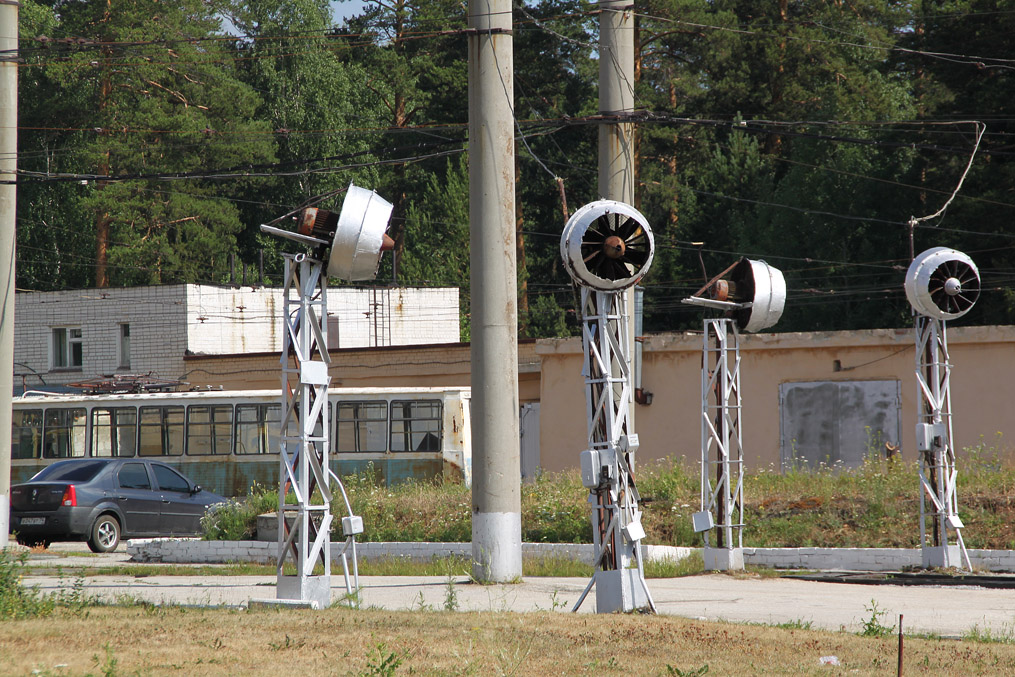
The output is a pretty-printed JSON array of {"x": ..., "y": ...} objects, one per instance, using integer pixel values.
[{"x": 948, "y": 611}]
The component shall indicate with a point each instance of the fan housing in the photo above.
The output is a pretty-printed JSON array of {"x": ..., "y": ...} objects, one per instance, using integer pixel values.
[{"x": 607, "y": 246}]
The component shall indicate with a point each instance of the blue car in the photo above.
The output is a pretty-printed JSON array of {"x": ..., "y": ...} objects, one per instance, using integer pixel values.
[{"x": 103, "y": 500}]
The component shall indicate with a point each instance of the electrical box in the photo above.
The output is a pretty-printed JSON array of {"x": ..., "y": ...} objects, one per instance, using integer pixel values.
[
  {"x": 634, "y": 531},
  {"x": 702, "y": 521},
  {"x": 589, "y": 461},
  {"x": 929, "y": 436},
  {"x": 352, "y": 525}
]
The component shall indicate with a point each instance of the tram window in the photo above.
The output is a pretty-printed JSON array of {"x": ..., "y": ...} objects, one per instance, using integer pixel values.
[
  {"x": 64, "y": 433},
  {"x": 26, "y": 434},
  {"x": 208, "y": 429},
  {"x": 257, "y": 428},
  {"x": 416, "y": 425},
  {"x": 114, "y": 432},
  {"x": 362, "y": 426},
  {"x": 161, "y": 431}
]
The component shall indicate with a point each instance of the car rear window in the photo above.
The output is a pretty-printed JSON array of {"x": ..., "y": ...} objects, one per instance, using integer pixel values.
[{"x": 70, "y": 472}]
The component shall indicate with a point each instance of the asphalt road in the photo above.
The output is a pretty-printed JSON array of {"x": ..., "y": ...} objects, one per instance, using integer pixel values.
[{"x": 946, "y": 611}]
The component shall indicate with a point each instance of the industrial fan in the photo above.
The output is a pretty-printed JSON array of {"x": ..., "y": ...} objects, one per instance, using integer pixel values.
[
  {"x": 942, "y": 283},
  {"x": 607, "y": 246},
  {"x": 752, "y": 291}
]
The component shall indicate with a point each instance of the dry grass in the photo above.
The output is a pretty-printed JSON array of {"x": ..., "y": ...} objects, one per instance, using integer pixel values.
[{"x": 156, "y": 641}]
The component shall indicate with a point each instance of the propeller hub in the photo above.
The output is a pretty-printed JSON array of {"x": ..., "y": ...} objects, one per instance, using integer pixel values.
[
  {"x": 953, "y": 287},
  {"x": 614, "y": 247}
]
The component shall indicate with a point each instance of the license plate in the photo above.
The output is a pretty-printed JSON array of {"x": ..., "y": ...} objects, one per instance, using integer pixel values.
[{"x": 32, "y": 521}]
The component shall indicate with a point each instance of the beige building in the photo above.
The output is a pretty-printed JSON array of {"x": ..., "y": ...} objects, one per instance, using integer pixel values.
[{"x": 807, "y": 397}]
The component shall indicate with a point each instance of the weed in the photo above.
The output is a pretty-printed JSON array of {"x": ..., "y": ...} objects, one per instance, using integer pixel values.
[
  {"x": 381, "y": 662},
  {"x": 450, "y": 594},
  {"x": 1006, "y": 635},
  {"x": 872, "y": 627},
  {"x": 798, "y": 624},
  {"x": 106, "y": 664},
  {"x": 289, "y": 643},
  {"x": 16, "y": 600},
  {"x": 690, "y": 672},
  {"x": 419, "y": 603}
]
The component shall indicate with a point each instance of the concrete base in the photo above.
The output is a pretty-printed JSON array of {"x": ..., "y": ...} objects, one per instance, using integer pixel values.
[
  {"x": 942, "y": 557},
  {"x": 619, "y": 591},
  {"x": 497, "y": 547},
  {"x": 723, "y": 559},
  {"x": 314, "y": 590}
]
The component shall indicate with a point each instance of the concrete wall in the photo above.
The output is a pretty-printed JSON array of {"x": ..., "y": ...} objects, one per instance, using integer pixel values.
[
  {"x": 397, "y": 366},
  {"x": 227, "y": 321},
  {"x": 982, "y": 385}
]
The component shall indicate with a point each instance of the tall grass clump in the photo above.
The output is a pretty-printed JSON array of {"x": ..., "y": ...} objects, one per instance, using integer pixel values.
[
  {"x": 555, "y": 509},
  {"x": 236, "y": 520},
  {"x": 416, "y": 510},
  {"x": 16, "y": 600}
]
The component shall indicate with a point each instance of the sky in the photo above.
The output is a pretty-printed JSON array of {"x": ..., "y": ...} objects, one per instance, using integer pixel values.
[{"x": 342, "y": 10}]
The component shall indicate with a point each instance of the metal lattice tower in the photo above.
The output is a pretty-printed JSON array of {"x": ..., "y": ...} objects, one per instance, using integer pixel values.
[
  {"x": 722, "y": 462},
  {"x": 941, "y": 284},
  {"x": 304, "y": 527},
  {"x": 608, "y": 464},
  {"x": 607, "y": 247},
  {"x": 347, "y": 245},
  {"x": 939, "y": 503},
  {"x": 752, "y": 295}
]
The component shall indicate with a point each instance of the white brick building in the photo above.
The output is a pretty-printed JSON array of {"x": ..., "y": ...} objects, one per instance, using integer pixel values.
[{"x": 69, "y": 336}]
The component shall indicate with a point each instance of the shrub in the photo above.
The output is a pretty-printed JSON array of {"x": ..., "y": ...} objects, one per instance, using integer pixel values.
[
  {"x": 236, "y": 520},
  {"x": 17, "y": 601}
]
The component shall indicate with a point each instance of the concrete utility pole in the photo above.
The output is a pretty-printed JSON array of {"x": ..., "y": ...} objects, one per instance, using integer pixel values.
[
  {"x": 616, "y": 98},
  {"x": 496, "y": 487},
  {"x": 8, "y": 194}
]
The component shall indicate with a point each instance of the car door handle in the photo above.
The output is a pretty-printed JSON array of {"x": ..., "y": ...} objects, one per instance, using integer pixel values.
[{"x": 121, "y": 498}]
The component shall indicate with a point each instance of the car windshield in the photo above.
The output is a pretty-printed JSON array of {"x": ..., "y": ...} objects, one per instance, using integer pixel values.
[{"x": 70, "y": 472}]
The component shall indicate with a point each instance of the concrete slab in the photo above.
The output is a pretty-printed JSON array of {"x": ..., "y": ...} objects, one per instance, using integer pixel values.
[{"x": 943, "y": 611}]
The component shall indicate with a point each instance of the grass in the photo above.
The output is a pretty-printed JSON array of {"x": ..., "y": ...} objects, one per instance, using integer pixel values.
[
  {"x": 555, "y": 567},
  {"x": 434, "y": 642},
  {"x": 875, "y": 506}
]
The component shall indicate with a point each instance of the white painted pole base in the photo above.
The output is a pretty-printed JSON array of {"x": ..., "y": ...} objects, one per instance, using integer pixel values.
[
  {"x": 497, "y": 547},
  {"x": 942, "y": 557},
  {"x": 315, "y": 590},
  {"x": 620, "y": 591},
  {"x": 723, "y": 559}
]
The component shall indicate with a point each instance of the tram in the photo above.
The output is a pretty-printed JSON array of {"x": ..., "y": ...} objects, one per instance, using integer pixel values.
[{"x": 227, "y": 440}]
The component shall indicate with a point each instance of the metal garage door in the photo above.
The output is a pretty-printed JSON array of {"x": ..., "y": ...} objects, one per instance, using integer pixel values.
[{"x": 837, "y": 421}]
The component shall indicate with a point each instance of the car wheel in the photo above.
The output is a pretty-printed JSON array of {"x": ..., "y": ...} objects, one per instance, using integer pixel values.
[{"x": 105, "y": 534}]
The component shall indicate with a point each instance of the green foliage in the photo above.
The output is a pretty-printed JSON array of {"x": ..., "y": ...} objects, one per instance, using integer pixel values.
[
  {"x": 872, "y": 626},
  {"x": 382, "y": 663},
  {"x": 17, "y": 601},
  {"x": 156, "y": 99},
  {"x": 554, "y": 510},
  {"x": 236, "y": 520}
]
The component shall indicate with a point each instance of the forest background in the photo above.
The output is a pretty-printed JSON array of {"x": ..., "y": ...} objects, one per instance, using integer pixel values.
[{"x": 156, "y": 136}]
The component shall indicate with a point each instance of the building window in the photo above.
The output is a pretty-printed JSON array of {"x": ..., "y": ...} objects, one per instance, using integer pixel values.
[
  {"x": 125, "y": 346},
  {"x": 68, "y": 350}
]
